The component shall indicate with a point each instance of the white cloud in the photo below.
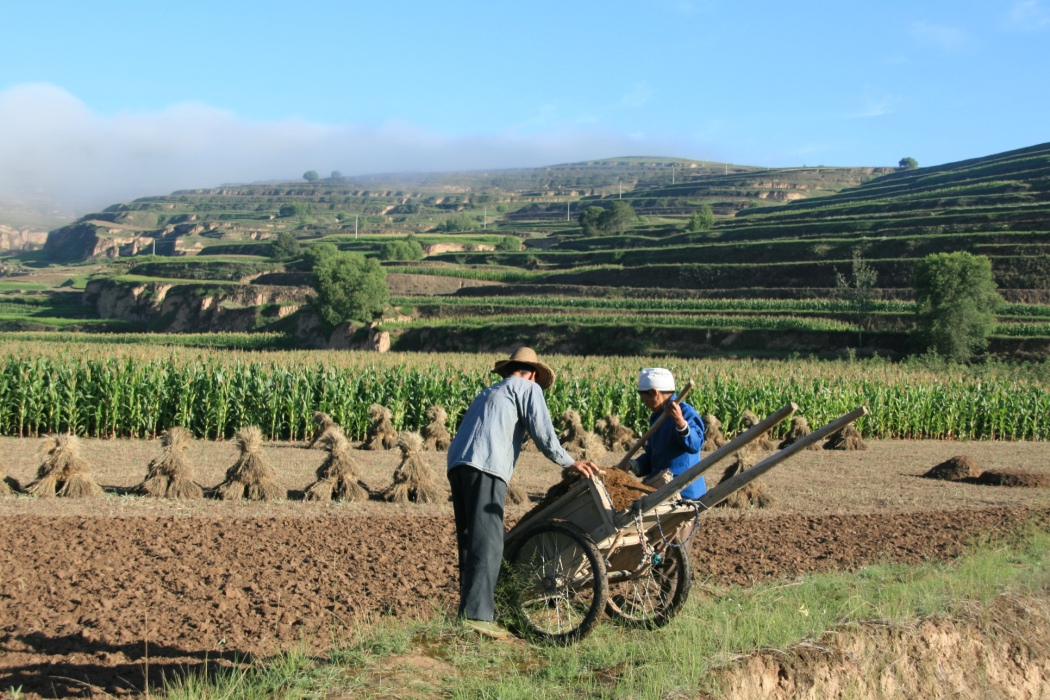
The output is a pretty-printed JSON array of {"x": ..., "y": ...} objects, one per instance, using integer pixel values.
[
  {"x": 940, "y": 36},
  {"x": 55, "y": 148},
  {"x": 1029, "y": 16},
  {"x": 876, "y": 106},
  {"x": 637, "y": 96}
]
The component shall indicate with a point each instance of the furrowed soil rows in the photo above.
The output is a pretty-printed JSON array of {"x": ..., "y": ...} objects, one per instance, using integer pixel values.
[
  {"x": 89, "y": 586},
  {"x": 83, "y": 596}
]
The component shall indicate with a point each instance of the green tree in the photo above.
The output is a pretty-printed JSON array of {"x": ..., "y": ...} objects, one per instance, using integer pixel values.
[
  {"x": 956, "y": 301},
  {"x": 286, "y": 247},
  {"x": 408, "y": 249},
  {"x": 313, "y": 255},
  {"x": 350, "y": 287},
  {"x": 859, "y": 291},
  {"x": 908, "y": 163},
  {"x": 296, "y": 209},
  {"x": 589, "y": 220},
  {"x": 336, "y": 175},
  {"x": 311, "y": 176},
  {"x": 341, "y": 216},
  {"x": 618, "y": 218},
  {"x": 463, "y": 222},
  {"x": 509, "y": 244},
  {"x": 702, "y": 220}
]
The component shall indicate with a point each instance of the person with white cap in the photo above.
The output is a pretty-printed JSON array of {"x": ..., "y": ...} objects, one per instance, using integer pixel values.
[
  {"x": 480, "y": 464},
  {"x": 676, "y": 444}
]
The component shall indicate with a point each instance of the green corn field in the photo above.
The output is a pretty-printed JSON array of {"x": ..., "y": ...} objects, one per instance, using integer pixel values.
[{"x": 127, "y": 391}]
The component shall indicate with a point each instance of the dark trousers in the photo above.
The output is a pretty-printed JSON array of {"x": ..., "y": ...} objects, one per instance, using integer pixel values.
[{"x": 477, "y": 500}]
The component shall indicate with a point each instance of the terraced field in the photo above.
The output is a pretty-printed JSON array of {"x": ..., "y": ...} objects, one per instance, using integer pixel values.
[{"x": 763, "y": 280}]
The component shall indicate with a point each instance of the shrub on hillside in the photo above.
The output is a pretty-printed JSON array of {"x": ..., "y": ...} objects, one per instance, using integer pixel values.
[
  {"x": 349, "y": 286},
  {"x": 295, "y": 209},
  {"x": 408, "y": 249},
  {"x": 955, "y": 303},
  {"x": 463, "y": 222},
  {"x": 286, "y": 247},
  {"x": 318, "y": 252},
  {"x": 509, "y": 244},
  {"x": 615, "y": 220},
  {"x": 311, "y": 176},
  {"x": 908, "y": 163},
  {"x": 702, "y": 220}
]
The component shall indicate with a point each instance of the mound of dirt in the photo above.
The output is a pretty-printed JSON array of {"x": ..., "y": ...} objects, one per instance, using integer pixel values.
[
  {"x": 1014, "y": 477},
  {"x": 624, "y": 489},
  {"x": 622, "y": 486},
  {"x": 955, "y": 469}
]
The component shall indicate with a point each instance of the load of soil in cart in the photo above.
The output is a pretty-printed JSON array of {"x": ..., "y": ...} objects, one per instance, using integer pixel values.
[{"x": 623, "y": 490}]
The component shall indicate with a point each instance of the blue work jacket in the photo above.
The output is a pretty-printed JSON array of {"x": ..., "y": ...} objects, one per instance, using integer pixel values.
[{"x": 666, "y": 449}]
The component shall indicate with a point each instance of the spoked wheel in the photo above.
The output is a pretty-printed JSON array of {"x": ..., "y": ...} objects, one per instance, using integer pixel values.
[
  {"x": 653, "y": 598},
  {"x": 560, "y": 581}
]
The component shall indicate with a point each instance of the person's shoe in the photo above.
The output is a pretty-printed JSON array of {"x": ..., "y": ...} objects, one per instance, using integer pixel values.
[{"x": 487, "y": 629}]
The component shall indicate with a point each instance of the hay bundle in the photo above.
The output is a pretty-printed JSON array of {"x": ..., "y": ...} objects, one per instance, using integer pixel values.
[
  {"x": 749, "y": 420},
  {"x": 755, "y": 493},
  {"x": 798, "y": 430},
  {"x": 846, "y": 439},
  {"x": 954, "y": 469},
  {"x": 413, "y": 479},
  {"x": 64, "y": 472},
  {"x": 713, "y": 436},
  {"x": 435, "y": 434},
  {"x": 251, "y": 476},
  {"x": 381, "y": 433},
  {"x": 323, "y": 425},
  {"x": 515, "y": 493},
  {"x": 617, "y": 435},
  {"x": 338, "y": 477},
  {"x": 578, "y": 442},
  {"x": 170, "y": 475}
]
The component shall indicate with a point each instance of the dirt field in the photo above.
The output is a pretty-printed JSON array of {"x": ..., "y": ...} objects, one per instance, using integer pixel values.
[{"x": 89, "y": 588}]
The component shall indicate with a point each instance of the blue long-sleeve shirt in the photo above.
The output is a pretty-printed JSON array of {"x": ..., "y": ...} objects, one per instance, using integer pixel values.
[
  {"x": 669, "y": 449},
  {"x": 493, "y": 428}
]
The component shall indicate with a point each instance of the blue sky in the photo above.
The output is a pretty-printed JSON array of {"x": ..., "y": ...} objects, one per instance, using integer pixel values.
[{"x": 118, "y": 99}]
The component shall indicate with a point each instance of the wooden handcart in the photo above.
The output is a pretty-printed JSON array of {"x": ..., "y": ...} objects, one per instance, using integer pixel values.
[{"x": 578, "y": 556}]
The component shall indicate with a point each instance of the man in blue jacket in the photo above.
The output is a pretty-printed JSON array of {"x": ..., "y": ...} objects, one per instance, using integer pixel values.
[{"x": 676, "y": 444}]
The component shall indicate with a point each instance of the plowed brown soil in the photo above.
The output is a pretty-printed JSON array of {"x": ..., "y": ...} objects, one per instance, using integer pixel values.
[
  {"x": 82, "y": 597},
  {"x": 90, "y": 590}
]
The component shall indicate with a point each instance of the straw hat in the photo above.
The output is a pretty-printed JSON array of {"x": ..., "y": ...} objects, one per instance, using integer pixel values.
[{"x": 527, "y": 356}]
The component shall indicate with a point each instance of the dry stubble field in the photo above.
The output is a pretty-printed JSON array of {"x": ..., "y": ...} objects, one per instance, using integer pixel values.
[{"x": 91, "y": 589}]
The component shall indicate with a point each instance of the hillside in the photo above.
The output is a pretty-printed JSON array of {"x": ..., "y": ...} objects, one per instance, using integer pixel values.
[{"x": 763, "y": 279}]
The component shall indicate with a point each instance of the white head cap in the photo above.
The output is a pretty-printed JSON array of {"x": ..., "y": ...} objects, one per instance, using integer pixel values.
[{"x": 656, "y": 378}]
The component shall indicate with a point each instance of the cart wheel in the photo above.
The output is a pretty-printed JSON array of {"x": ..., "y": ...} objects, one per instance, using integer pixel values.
[
  {"x": 560, "y": 581},
  {"x": 653, "y": 599}
]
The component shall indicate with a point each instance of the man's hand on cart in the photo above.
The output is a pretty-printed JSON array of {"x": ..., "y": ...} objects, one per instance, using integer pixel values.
[{"x": 585, "y": 468}]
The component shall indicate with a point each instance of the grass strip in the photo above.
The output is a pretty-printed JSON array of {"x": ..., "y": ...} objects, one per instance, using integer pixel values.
[
  {"x": 240, "y": 341},
  {"x": 717, "y": 625}
]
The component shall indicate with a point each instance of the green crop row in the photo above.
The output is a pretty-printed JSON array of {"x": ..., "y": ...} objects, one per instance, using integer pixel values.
[
  {"x": 765, "y": 305},
  {"x": 1023, "y": 330},
  {"x": 634, "y": 320},
  {"x": 141, "y": 392}
]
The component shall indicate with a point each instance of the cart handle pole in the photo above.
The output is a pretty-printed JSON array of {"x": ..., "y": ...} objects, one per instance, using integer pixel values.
[
  {"x": 622, "y": 464},
  {"x": 738, "y": 481},
  {"x": 650, "y": 501}
]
